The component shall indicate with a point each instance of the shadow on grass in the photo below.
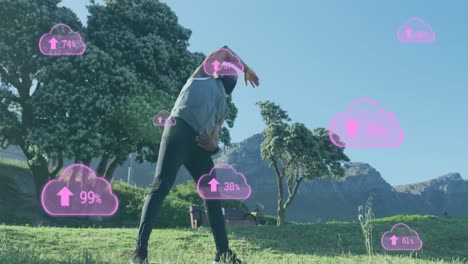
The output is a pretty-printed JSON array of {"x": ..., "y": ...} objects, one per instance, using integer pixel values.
[
  {"x": 30, "y": 256},
  {"x": 442, "y": 238}
]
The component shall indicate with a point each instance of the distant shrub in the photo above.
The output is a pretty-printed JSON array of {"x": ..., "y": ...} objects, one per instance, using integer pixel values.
[
  {"x": 174, "y": 213},
  {"x": 188, "y": 192},
  {"x": 131, "y": 201},
  {"x": 268, "y": 220},
  {"x": 16, "y": 220},
  {"x": 175, "y": 208}
]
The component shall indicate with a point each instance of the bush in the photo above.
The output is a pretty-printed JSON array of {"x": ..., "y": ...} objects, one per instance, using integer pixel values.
[
  {"x": 188, "y": 192},
  {"x": 173, "y": 213},
  {"x": 131, "y": 201},
  {"x": 268, "y": 220}
]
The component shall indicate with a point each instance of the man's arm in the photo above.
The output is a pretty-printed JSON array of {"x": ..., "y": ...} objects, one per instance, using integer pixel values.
[
  {"x": 249, "y": 74},
  {"x": 242, "y": 61},
  {"x": 199, "y": 72}
]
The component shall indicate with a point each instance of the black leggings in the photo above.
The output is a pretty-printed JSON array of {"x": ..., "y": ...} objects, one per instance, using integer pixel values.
[{"x": 178, "y": 147}]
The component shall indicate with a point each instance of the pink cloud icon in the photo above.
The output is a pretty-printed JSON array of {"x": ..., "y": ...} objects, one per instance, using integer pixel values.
[
  {"x": 365, "y": 129},
  {"x": 400, "y": 238},
  {"x": 61, "y": 40},
  {"x": 415, "y": 31},
  {"x": 223, "y": 62},
  {"x": 78, "y": 191},
  {"x": 164, "y": 118},
  {"x": 223, "y": 183}
]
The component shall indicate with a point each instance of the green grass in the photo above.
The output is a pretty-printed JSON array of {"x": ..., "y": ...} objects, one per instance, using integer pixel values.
[
  {"x": 15, "y": 163},
  {"x": 405, "y": 218},
  {"x": 445, "y": 241}
]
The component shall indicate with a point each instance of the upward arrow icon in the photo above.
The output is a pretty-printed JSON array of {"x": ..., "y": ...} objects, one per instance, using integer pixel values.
[
  {"x": 213, "y": 185},
  {"x": 409, "y": 31},
  {"x": 216, "y": 65},
  {"x": 53, "y": 43},
  {"x": 65, "y": 194}
]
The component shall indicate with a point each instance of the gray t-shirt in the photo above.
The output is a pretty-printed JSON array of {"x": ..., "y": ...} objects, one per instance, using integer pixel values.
[{"x": 201, "y": 103}]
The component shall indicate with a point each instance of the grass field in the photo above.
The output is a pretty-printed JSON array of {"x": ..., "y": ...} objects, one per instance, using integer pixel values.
[{"x": 445, "y": 241}]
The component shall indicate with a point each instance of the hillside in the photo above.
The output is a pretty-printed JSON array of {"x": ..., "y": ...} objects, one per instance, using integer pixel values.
[
  {"x": 446, "y": 195},
  {"x": 17, "y": 193}
]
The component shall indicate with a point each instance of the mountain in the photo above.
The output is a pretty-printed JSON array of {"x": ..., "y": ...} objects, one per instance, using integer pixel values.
[
  {"x": 321, "y": 199},
  {"x": 331, "y": 199}
]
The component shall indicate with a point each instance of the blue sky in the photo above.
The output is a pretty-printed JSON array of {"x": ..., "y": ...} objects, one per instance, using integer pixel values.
[{"x": 316, "y": 57}]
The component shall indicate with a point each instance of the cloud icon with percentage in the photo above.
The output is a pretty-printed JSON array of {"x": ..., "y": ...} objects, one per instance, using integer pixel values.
[
  {"x": 79, "y": 192},
  {"x": 164, "y": 118},
  {"x": 223, "y": 183},
  {"x": 401, "y": 238},
  {"x": 223, "y": 62},
  {"x": 415, "y": 30},
  {"x": 375, "y": 128},
  {"x": 61, "y": 40}
]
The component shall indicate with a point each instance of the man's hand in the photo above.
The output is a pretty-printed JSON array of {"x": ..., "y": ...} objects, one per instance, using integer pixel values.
[
  {"x": 207, "y": 142},
  {"x": 251, "y": 76}
]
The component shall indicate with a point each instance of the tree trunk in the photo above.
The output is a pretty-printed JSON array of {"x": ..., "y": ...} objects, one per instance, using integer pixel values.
[
  {"x": 86, "y": 161},
  {"x": 281, "y": 214},
  {"x": 39, "y": 169},
  {"x": 40, "y": 172},
  {"x": 58, "y": 167},
  {"x": 281, "y": 210},
  {"x": 110, "y": 169},
  {"x": 292, "y": 194},
  {"x": 101, "y": 168},
  {"x": 73, "y": 174},
  {"x": 281, "y": 219}
]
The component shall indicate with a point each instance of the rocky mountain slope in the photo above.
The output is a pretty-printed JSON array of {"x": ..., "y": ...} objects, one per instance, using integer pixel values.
[{"x": 338, "y": 200}]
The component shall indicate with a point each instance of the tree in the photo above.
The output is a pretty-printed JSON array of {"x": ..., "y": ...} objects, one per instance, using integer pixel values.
[
  {"x": 22, "y": 24},
  {"x": 143, "y": 36},
  {"x": 99, "y": 104},
  {"x": 80, "y": 101},
  {"x": 296, "y": 154}
]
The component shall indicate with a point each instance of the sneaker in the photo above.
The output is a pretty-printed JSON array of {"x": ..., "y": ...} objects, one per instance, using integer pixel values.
[
  {"x": 227, "y": 257},
  {"x": 140, "y": 256}
]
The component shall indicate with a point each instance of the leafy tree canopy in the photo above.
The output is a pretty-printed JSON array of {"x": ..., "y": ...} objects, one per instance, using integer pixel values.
[{"x": 296, "y": 153}]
